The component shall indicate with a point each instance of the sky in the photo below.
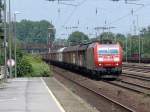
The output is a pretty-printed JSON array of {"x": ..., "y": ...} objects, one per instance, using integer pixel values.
[{"x": 85, "y": 15}]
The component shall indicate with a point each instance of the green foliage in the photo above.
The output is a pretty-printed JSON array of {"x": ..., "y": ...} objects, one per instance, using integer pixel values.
[
  {"x": 1, "y": 33},
  {"x": 33, "y": 66},
  {"x": 40, "y": 70},
  {"x": 120, "y": 38},
  {"x": 37, "y": 32},
  {"x": 1, "y": 5},
  {"x": 1, "y": 27},
  {"x": 1, "y": 59},
  {"x": 106, "y": 35},
  {"x": 24, "y": 68},
  {"x": 77, "y": 38}
]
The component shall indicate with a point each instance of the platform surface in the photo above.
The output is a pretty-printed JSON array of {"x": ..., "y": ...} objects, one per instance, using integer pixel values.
[{"x": 27, "y": 95}]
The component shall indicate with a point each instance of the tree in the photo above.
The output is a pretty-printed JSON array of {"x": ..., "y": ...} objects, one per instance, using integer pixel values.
[
  {"x": 1, "y": 33},
  {"x": 106, "y": 35},
  {"x": 77, "y": 38},
  {"x": 121, "y": 39},
  {"x": 34, "y": 31},
  {"x": 145, "y": 41},
  {"x": 1, "y": 20}
]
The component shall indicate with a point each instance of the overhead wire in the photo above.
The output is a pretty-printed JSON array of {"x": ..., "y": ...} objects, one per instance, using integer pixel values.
[
  {"x": 112, "y": 22},
  {"x": 129, "y": 14},
  {"x": 72, "y": 13}
]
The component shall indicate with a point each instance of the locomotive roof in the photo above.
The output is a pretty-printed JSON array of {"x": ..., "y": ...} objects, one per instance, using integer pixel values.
[{"x": 110, "y": 45}]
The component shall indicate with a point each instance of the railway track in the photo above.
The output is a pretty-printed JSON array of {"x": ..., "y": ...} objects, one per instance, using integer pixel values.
[
  {"x": 136, "y": 60},
  {"x": 110, "y": 102},
  {"x": 145, "y": 87},
  {"x": 137, "y": 73},
  {"x": 142, "y": 70},
  {"x": 131, "y": 86},
  {"x": 143, "y": 78},
  {"x": 137, "y": 70},
  {"x": 137, "y": 67}
]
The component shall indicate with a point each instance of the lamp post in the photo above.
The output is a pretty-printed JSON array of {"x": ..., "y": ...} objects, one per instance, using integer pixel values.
[{"x": 15, "y": 43}]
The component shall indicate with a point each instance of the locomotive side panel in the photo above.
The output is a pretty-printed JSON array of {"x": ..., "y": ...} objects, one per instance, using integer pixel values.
[
  {"x": 90, "y": 60},
  {"x": 82, "y": 58}
]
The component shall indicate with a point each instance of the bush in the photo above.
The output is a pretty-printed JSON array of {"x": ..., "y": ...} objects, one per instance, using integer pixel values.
[
  {"x": 40, "y": 69},
  {"x": 32, "y": 65},
  {"x": 24, "y": 68}
]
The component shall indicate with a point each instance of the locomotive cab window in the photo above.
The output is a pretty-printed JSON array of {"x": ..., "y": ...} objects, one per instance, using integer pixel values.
[
  {"x": 108, "y": 51},
  {"x": 114, "y": 51}
]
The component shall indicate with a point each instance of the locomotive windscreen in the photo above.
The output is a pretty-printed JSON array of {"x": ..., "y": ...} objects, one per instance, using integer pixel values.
[{"x": 108, "y": 51}]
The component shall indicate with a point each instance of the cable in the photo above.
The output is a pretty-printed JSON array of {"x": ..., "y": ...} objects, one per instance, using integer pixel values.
[
  {"x": 70, "y": 16},
  {"x": 129, "y": 14},
  {"x": 72, "y": 13}
]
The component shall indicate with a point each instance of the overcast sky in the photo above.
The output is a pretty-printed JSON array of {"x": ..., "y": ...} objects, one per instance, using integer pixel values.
[{"x": 85, "y": 14}]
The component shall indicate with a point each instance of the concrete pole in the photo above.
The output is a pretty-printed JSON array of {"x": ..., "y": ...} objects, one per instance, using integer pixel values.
[
  {"x": 139, "y": 39},
  {"x": 10, "y": 40},
  {"x": 5, "y": 37},
  {"x": 126, "y": 49},
  {"x": 15, "y": 45}
]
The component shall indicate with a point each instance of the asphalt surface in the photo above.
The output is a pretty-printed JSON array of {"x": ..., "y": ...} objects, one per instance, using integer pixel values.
[{"x": 27, "y": 95}]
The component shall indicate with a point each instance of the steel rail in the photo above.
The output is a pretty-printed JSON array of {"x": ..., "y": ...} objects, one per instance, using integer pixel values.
[
  {"x": 137, "y": 85},
  {"x": 128, "y": 87},
  {"x": 137, "y": 66},
  {"x": 136, "y": 76}
]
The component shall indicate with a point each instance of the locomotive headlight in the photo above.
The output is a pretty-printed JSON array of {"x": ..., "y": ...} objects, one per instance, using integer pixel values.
[
  {"x": 116, "y": 59},
  {"x": 100, "y": 59}
]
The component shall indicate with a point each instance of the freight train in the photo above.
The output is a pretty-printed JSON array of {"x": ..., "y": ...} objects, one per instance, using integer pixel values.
[{"x": 101, "y": 60}]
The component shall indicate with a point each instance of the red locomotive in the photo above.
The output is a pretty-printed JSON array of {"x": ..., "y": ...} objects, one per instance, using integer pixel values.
[{"x": 96, "y": 59}]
